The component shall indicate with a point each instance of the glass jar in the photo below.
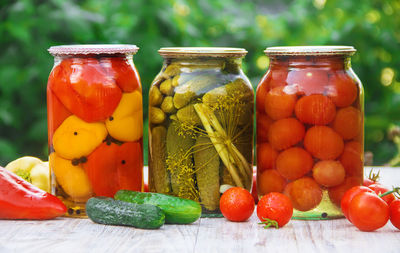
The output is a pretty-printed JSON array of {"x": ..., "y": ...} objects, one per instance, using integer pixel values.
[
  {"x": 310, "y": 114},
  {"x": 200, "y": 125},
  {"x": 95, "y": 123}
]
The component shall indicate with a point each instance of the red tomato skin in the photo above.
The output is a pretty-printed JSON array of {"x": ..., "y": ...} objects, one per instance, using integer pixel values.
[
  {"x": 349, "y": 195},
  {"x": 367, "y": 182},
  {"x": 380, "y": 189},
  {"x": 394, "y": 213},
  {"x": 368, "y": 211},
  {"x": 275, "y": 206},
  {"x": 237, "y": 204},
  {"x": 254, "y": 189}
]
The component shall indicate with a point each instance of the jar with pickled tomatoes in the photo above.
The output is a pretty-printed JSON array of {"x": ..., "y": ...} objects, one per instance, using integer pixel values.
[
  {"x": 95, "y": 123},
  {"x": 310, "y": 128}
]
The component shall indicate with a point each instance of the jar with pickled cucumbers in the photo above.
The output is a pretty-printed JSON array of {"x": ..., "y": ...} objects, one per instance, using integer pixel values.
[
  {"x": 95, "y": 123},
  {"x": 310, "y": 138},
  {"x": 200, "y": 125}
]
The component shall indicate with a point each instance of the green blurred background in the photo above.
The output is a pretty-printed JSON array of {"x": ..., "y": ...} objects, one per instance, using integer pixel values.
[{"x": 28, "y": 28}]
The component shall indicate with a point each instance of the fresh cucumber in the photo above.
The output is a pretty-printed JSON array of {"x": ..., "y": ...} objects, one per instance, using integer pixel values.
[
  {"x": 177, "y": 210},
  {"x": 114, "y": 212}
]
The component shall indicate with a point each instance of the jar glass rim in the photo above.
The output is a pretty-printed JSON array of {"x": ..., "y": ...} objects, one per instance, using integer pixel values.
[
  {"x": 202, "y": 52},
  {"x": 86, "y": 49},
  {"x": 310, "y": 50}
]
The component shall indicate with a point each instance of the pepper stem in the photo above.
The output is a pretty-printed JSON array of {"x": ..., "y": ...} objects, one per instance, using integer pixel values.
[{"x": 269, "y": 223}]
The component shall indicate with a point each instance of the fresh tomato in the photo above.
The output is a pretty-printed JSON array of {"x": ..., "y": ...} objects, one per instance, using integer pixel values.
[
  {"x": 236, "y": 204},
  {"x": 380, "y": 189},
  {"x": 394, "y": 213},
  {"x": 368, "y": 212},
  {"x": 274, "y": 209},
  {"x": 372, "y": 178},
  {"x": 349, "y": 195}
]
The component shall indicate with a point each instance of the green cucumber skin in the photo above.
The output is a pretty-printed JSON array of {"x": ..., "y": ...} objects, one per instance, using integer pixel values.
[
  {"x": 177, "y": 210},
  {"x": 114, "y": 212}
]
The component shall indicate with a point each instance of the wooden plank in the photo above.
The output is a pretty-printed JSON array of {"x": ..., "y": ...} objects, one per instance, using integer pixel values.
[{"x": 205, "y": 235}]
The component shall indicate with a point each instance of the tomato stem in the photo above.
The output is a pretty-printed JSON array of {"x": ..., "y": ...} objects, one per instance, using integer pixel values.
[
  {"x": 372, "y": 176},
  {"x": 395, "y": 190},
  {"x": 269, "y": 223}
]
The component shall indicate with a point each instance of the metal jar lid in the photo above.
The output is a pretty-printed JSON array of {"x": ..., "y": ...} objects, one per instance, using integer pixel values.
[
  {"x": 202, "y": 52},
  {"x": 93, "y": 49},
  {"x": 310, "y": 50}
]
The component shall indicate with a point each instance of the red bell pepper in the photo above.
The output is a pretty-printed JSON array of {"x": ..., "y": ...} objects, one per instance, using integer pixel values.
[
  {"x": 123, "y": 72},
  {"x": 85, "y": 88},
  {"x": 112, "y": 167},
  {"x": 20, "y": 200}
]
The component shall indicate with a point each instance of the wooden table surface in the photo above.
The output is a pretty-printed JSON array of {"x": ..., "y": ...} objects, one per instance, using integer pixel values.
[{"x": 205, "y": 235}]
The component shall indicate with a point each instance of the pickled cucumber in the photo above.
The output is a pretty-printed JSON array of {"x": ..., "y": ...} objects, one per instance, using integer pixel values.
[
  {"x": 155, "y": 96},
  {"x": 171, "y": 71},
  {"x": 166, "y": 87},
  {"x": 179, "y": 163},
  {"x": 188, "y": 114},
  {"x": 168, "y": 105},
  {"x": 156, "y": 115},
  {"x": 157, "y": 165},
  {"x": 194, "y": 87},
  {"x": 237, "y": 89},
  {"x": 206, "y": 162}
]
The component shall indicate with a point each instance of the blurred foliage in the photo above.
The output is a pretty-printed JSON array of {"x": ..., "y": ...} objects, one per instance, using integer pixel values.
[{"x": 29, "y": 27}]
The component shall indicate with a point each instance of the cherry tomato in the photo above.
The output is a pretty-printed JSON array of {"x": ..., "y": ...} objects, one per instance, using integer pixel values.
[
  {"x": 304, "y": 193},
  {"x": 349, "y": 195},
  {"x": 270, "y": 181},
  {"x": 263, "y": 124},
  {"x": 328, "y": 173},
  {"x": 309, "y": 81},
  {"x": 351, "y": 158},
  {"x": 380, "y": 189},
  {"x": 323, "y": 142},
  {"x": 315, "y": 109},
  {"x": 348, "y": 122},
  {"x": 394, "y": 213},
  {"x": 342, "y": 89},
  {"x": 336, "y": 193},
  {"x": 276, "y": 207},
  {"x": 368, "y": 212},
  {"x": 279, "y": 103},
  {"x": 236, "y": 204},
  {"x": 260, "y": 95},
  {"x": 285, "y": 133},
  {"x": 293, "y": 163},
  {"x": 372, "y": 178},
  {"x": 266, "y": 157}
]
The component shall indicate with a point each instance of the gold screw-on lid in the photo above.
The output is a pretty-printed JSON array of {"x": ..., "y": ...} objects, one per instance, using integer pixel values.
[
  {"x": 93, "y": 49},
  {"x": 310, "y": 50},
  {"x": 202, "y": 52}
]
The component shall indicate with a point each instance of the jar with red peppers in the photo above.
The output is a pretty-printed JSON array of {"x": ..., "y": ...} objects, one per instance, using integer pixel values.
[
  {"x": 310, "y": 118},
  {"x": 95, "y": 123}
]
